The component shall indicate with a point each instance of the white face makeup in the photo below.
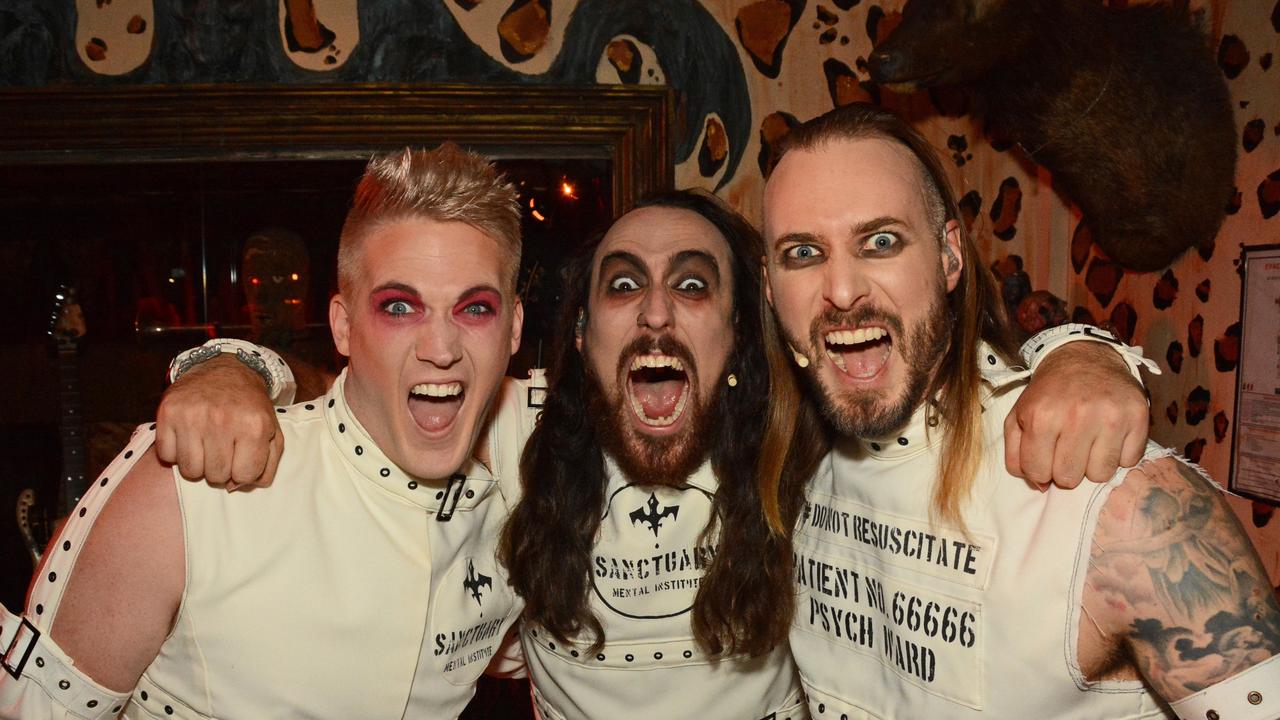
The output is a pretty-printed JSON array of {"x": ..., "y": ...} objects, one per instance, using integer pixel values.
[{"x": 659, "y": 331}]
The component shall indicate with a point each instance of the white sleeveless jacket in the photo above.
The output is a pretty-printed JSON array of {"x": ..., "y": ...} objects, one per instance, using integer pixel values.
[
  {"x": 346, "y": 590},
  {"x": 647, "y": 563},
  {"x": 899, "y": 618}
]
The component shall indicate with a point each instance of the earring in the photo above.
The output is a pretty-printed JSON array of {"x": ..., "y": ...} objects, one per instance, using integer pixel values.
[
  {"x": 952, "y": 263},
  {"x": 800, "y": 358},
  {"x": 733, "y": 380},
  {"x": 581, "y": 323}
]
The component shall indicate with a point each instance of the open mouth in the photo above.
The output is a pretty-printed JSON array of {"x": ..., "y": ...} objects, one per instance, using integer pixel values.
[
  {"x": 860, "y": 353},
  {"x": 434, "y": 406},
  {"x": 658, "y": 388}
]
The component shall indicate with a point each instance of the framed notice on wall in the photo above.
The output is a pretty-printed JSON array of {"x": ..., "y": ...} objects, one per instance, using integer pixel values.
[{"x": 1255, "y": 443}]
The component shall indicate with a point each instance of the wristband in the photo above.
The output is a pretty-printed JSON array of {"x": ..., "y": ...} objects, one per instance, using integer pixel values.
[
  {"x": 1252, "y": 694},
  {"x": 274, "y": 370},
  {"x": 1043, "y": 342}
]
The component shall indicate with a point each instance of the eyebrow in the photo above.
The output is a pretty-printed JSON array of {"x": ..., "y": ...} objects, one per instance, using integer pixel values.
[
  {"x": 410, "y": 290},
  {"x": 863, "y": 228},
  {"x": 874, "y": 224},
  {"x": 619, "y": 256},
  {"x": 407, "y": 289},
  {"x": 482, "y": 287},
  {"x": 691, "y": 256}
]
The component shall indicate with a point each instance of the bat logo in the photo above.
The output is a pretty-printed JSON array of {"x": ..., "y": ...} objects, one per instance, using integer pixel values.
[
  {"x": 653, "y": 518},
  {"x": 474, "y": 581}
]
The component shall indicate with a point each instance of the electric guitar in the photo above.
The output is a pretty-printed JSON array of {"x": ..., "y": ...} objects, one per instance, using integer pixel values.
[{"x": 37, "y": 524}]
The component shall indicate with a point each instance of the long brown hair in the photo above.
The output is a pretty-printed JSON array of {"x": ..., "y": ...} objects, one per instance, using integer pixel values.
[
  {"x": 744, "y": 602},
  {"x": 976, "y": 311}
]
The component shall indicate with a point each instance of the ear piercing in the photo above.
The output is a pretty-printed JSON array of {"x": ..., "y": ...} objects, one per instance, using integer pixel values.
[
  {"x": 733, "y": 380},
  {"x": 953, "y": 263}
]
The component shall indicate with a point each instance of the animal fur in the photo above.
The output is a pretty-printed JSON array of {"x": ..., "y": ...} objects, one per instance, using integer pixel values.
[{"x": 1126, "y": 107}]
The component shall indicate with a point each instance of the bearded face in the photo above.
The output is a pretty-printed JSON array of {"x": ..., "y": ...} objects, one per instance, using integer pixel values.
[
  {"x": 658, "y": 332},
  {"x": 871, "y": 411},
  {"x": 858, "y": 271}
]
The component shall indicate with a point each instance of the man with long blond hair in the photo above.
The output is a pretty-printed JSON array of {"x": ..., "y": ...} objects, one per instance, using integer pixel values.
[
  {"x": 930, "y": 582},
  {"x": 365, "y": 584}
]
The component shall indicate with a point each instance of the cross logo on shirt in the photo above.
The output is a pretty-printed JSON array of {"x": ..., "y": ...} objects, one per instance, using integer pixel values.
[
  {"x": 653, "y": 518},
  {"x": 474, "y": 581}
]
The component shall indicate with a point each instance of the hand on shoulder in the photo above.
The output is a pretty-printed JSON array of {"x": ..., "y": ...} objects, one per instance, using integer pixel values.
[
  {"x": 217, "y": 423},
  {"x": 1082, "y": 415}
]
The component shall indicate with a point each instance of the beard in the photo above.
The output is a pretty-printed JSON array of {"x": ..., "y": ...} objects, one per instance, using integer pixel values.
[
  {"x": 667, "y": 460},
  {"x": 878, "y": 413}
]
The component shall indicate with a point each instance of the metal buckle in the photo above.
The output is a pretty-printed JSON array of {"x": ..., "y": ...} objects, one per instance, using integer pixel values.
[
  {"x": 536, "y": 397},
  {"x": 449, "y": 502},
  {"x": 16, "y": 671},
  {"x": 1103, "y": 335}
]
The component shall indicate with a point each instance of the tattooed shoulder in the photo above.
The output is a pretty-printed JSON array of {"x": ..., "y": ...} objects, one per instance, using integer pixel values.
[{"x": 1175, "y": 585}]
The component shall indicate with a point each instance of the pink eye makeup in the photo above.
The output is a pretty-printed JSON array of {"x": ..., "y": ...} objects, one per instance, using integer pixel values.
[
  {"x": 396, "y": 303},
  {"x": 478, "y": 306}
]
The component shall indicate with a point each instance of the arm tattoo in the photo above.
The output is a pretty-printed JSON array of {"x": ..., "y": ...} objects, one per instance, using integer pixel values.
[{"x": 1183, "y": 582}]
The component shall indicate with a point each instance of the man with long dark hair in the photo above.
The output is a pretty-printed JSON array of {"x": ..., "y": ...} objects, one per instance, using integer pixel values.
[
  {"x": 639, "y": 544},
  {"x": 930, "y": 582}
]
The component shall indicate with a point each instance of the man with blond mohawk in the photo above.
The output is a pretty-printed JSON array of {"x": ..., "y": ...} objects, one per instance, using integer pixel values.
[{"x": 364, "y": 586}]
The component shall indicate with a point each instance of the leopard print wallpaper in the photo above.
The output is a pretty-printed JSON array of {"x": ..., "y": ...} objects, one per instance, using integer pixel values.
[{"x": 744, "y": 72}]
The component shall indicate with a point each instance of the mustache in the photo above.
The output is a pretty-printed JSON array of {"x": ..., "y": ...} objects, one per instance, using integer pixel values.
[
  {"x": 832, "y": 317},
  {"x": 660, "y": 344}
]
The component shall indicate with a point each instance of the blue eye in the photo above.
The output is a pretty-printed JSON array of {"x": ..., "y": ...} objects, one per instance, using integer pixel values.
[
  {"x": 881, "y": 242},
  {"x": 398, "y": 307},
  {"x": 477, "y": 308},
  {"x": 802, "y": 252}
]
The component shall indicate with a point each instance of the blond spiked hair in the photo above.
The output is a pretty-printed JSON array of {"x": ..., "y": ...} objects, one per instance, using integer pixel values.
[{"x": 447, "y": 184}]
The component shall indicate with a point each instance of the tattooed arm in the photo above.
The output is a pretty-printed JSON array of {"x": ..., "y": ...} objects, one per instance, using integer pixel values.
[{"x": 1175, "y": 591}]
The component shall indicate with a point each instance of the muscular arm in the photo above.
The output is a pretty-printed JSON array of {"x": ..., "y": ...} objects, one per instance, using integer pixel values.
[
  {"x": 1174, "y": 588},
  {"x": 124, "y": 590}
]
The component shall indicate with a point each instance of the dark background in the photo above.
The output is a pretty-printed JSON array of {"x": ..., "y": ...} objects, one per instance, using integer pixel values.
[{"x": 160, "y": 244}]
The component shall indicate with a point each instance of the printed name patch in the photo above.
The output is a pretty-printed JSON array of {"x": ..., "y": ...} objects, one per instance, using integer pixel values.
[
  {"x": 927, "y": 637},
  {"x": 941, "y": 552}
]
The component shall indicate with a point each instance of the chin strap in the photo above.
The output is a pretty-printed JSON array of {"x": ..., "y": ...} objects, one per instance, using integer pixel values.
[{"x": 1251, "y": 695}]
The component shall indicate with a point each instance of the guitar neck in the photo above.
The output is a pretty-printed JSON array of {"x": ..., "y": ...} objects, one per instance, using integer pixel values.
[{"x": 73, "y": 482}]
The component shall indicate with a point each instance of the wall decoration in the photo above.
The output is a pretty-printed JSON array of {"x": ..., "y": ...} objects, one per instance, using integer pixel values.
[
  {"x": 319, "y": 34},
  {"x": 701, "y": 63},
  {"x": 114, "y": 38},
  {"x": 696, "y": 48},
  {"x": 1061, "y": 75},
  {"x": 763, "y": 27},
  {"x": 1255, "y": 446},
  {"x": 208, "y": 41}
]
